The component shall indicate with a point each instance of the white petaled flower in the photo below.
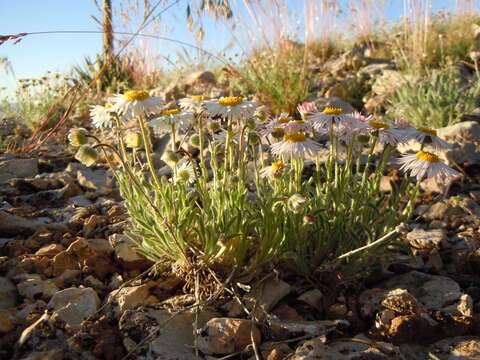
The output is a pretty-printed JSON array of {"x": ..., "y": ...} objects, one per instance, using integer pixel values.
[
  {"x": 296, "y": 145},
  {"x": 386, "y": 133},
  {"x": 230, "y": 107},
  {"x": 102, "y": 117},
  {"x": 427, "y": 136},
  {"x": 275, "y": 170},
  {"x": 332, "y": 119},
  {"x": 194, "y": 103},
  {"x": 425, "y": 164},
  {"x": 185, "y": 173},
  {"x": 180, "y": 119},
  {"x": 296, "y": 126},
  {"x": 275, "y": 126},
  {"x": 135, "y": 103}
]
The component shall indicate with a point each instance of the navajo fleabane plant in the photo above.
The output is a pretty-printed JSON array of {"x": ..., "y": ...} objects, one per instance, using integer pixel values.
[{"x": 238, "y": 194}]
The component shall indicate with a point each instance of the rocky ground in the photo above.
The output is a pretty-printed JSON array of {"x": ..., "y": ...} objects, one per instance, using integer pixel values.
[{"x": 72, "y": 287}]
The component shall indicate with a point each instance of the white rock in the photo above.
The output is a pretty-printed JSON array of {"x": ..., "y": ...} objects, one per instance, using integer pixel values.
[
  {"x": 73, "y": 305},
  {"x": 222, "y": 336},
  {"x": 466, "y": 129},
  {"x": 35, "y": 289},
  {"x": 17, "y": 168},
  {"x": 427, "y": 239}
]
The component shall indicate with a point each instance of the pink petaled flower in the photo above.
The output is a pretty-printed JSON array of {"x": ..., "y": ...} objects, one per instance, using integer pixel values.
[
  {"x": 307, "y": 108},
  {"x": 474, "y": 55}
]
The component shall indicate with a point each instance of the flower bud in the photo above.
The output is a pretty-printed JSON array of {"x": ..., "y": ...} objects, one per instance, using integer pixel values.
[
  {"x": 171, "y": 158},
  {"x": 309, "y": 219},
  {"x": 296, "y": 203},
  {"x": 87, "y": 155},
  {"x": 133, "y": 140},
  {"x": 213, "y": 126},
  {"x": 78, "y": 137},
  {"x": 250, "y": 123},
  {"x": 253, "y": 138}
]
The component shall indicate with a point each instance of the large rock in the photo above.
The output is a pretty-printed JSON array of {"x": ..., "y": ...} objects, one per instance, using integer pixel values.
[
  {"x": 13, "y": 225},
  {"x": 345, "y": 350},
  {"x": 8, "y": 294},
  {"x": 222, "y": 336},
  {"x": 434, "y": 292},
  {"x": 131, "y": 297},
  {"x": 456, "y": 348},
  {"x": 390, "y": 81},
  {"x": 427, "y": 239},
  {"x": 73, "y": 305},
  {"x": 37, "y": 289},
  {"x": 172, "y": 334},
  {"x": 11, "y": 167},
  {"x": 125, "y": 254},
  {"x": 465, "y": 130},
  {"x": 199, "y": 82}
]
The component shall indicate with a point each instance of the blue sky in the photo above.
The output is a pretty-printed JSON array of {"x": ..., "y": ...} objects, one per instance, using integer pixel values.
[{"x": 36, "y": 54}]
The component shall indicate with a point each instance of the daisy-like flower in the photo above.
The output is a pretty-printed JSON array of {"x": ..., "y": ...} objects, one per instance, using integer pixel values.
[
  {"x": 275, "y": 170},
  {"x": 176, "y": 117},
  {"x": 185, "y": 173},
  {"x": 331, "y": 118},
  {"x": 307, "y": 108},
  {"x": 102, "y": 116},
  {"x": 296, "y": 126},
  {"x": 296, "y": 144},
  {"x": 275, "y": 126},
  {"x": 387, "y": 134},
  {"x": 135, "y": 103},
  {"x": 427, "y": 136},
  {"x": 425, "y": 164},
  {"x": 230, "y": 107},
  {"x": 193, "y": 103}
]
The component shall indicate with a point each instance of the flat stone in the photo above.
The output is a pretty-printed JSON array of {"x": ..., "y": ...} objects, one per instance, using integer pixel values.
[
  {"x": 13, "y": 225},
  {"x": 175, "y": 342},
  {"x": 92, "y": 179},
  {"x": 283, "y": 330},
  {"x": 263, "y": 298},
  {"x": 73, "y": 305},
  {"x": 434, "y": 292},
  {"x": 8, "y": 294},
  {"x": 17, "y": 168},
  {"x": 35, "y": 289},
  {"x": 427, "y": 239},
  {"x": 456, "y": 348},
  {"x": 222, "y": 336},
  {"x": 131, "y": 297},
  {"x": 465, "y": 130},
  {"x": 50, "y": 250},
  {"x": 125, "y": 254}
]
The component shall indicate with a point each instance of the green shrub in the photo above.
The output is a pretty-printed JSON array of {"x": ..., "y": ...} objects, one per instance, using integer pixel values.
[{"x": 437, "y": 100}]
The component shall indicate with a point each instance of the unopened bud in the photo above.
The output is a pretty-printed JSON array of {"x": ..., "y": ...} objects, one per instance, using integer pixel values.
[
  {"x": 296, "y": 203},
  {"x": 78, "y": 137},
  {"x": 87, "y": 155},
  {"x": 171, "y": 158},
  {"x": 133, "y": 140}
]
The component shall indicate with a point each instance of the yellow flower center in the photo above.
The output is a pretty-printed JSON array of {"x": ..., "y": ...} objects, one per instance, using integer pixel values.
[
  {"x": 171, "y": 112},
  {"x": 278, "y": 166},
  {"x": 298, "y": 122},
  {"x": 283, "y": 120},
  {"x": 200, "y": 97},
  {"x": 139, "y": 95},
  {"x": 378, "y": 125},
  {"x": 231, "y": 101},
  {"x": 107, "y": 106},
  {"x": 427, "y": 156},
  {"x": 295, "y": 137},
  {"x": 332, "y": 111},
  {"x": 428, "y": 131}
]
